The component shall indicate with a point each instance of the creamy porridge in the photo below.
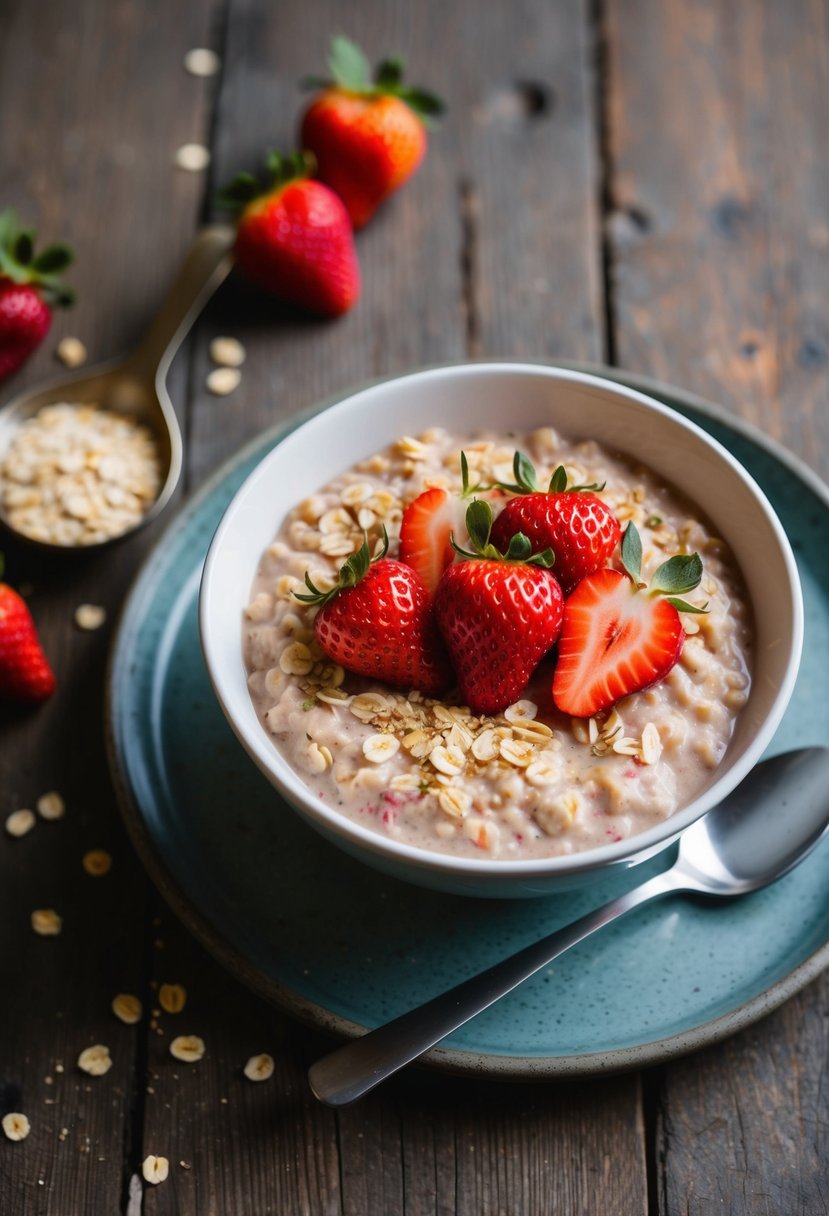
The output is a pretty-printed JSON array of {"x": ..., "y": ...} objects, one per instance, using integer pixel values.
[{"x": 528, "y": 782}]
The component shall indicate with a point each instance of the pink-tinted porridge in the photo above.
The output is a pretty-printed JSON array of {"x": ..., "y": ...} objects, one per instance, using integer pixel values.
[{"x": 530, "y": 782}]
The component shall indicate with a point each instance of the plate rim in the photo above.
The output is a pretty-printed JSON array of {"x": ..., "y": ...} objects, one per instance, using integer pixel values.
[{"x": 454, "y": 1060}]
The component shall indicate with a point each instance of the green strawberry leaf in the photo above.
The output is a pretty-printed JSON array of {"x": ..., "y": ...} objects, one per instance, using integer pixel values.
[
  {"x": 389, "y": 73},
  {"x": 53, "y": 260},
  {"x": 348, "y": 65},
  {"x": 545, "y": 558},
  {"x": 426, "y": 105},
  {"x": 558, "y": 481},
  {"x": 632, "y": 554},
  {"x": 677, "y": 575},
  {"x": 24, "y": 247},
  {"x": 519, "y": 548},
  {"x": 352, "y": 570},
  {"x": 479, "y": 523},
  {"x": 239, "y": 192},
  {"x": 684, "y": 606},
  {"x": 8, "y": 227}
]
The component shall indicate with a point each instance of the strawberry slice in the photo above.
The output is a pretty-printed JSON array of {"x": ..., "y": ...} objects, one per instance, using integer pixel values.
[
  {"x": 616, "y": 638},
  {"x": 425, "y": 534}
]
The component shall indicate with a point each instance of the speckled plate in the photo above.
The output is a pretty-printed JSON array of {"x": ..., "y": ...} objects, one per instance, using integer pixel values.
[{"x": 345, "y": 948}]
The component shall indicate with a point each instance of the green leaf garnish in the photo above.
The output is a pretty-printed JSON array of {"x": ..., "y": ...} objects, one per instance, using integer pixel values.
[
  {"x": 348, "y": 64},
  {"x": 479, "y": 526},
  {"x": 678, "y": 575},
  {"x": 558, "y": 481},
  {"x": 632, "y": 554},
  {"x": 351, "y": 572},
  {"x": 684, "y": 606}
]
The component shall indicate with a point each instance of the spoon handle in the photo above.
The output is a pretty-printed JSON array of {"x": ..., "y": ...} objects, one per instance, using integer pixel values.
[
  {"x": 204, "y": 268},
  {"x": 353, "y": 1070}
]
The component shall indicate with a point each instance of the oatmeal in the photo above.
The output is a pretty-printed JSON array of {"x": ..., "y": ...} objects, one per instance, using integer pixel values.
[{"x": 529, "y": 781}]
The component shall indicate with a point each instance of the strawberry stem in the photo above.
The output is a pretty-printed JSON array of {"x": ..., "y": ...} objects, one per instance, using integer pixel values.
[
  {"x": 279, "y": 170},
  {"x": 350, "y": 71},
  {"x": 19, "y": 263},
  {"x": 479, "y": 526},
  {"x": 673, "y": 578},
  {"x": 526, "y": 481},
  {"x": 352, "y": 571}
]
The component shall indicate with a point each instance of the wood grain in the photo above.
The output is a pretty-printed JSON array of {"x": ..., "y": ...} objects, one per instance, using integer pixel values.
[
  {"x": 93, "y": 105},
  {"x": 719, "y": 264}
]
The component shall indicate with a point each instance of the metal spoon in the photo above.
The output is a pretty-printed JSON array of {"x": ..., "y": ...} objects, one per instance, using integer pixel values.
[
  {"x": 137, "y": 384},
  {"x": 756, "y": 835}
]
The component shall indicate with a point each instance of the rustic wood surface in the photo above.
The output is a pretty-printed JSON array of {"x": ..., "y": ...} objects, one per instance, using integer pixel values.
[{"x": 635, "y": 181}]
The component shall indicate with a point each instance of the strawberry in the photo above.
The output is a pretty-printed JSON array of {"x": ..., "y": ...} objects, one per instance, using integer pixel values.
[
  {"x": 294, "y": 237},
  {"x": 29, "y": 288},
  {"x": 617, "y": 639},
  {"x": 428, "y": 525},
  {"x": 367, "y": 137},
  {"x": 574, "y": 523},
  {"x": 499, "y": 613},
  {"x": 378, "y": 622},
  {"x": 25, "y": 674}
]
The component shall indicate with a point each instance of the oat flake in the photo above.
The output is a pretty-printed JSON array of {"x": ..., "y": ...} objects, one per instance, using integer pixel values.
[
  {"x": 127, "y": 1008},
  {"x": 259, "y": 1068},
  {"x": 97, "y": 862},
  {"x": 16, "y": 1126},
  {"x": 172, "y": 998},
  {"x": 20, "y": 822},
  {"x": 188, "y": 1048},
  {"x": 155, "y": 1169},
  {"x": 46, "y": 922},
  {"x": 90, "y": 616},
  {"x": 51, "y": 805},
  {"x": 95, "y": 1060}
]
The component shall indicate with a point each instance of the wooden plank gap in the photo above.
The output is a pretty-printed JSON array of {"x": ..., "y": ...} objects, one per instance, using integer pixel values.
[
  {"x": 136, "y": 1104},
  {"x": 469, "y": 204},
  {"x": 652, "y": 1113},
  {"x": 597, "y": 18}
]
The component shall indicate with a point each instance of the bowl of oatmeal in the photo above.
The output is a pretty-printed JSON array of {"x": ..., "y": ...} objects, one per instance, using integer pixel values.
[{"x": 523, "y": 798}]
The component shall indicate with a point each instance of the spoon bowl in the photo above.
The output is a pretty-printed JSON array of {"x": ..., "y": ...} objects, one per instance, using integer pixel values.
[
  {"x": 760, "y": 832},
  {"x": 136, "y": 385}
]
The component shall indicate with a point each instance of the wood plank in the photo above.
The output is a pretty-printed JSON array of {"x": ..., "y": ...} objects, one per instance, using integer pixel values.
[
  {"x": 443, "y": 278},
  {"x": 108, "y": 185},
  {"x": 720, "y": 270}
]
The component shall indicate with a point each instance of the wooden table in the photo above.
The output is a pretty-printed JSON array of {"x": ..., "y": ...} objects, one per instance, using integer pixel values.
[{"x": 639, "y": 182}]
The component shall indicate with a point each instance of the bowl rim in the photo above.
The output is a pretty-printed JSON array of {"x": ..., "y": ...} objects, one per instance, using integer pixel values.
[{"x": 332, "y": 823}]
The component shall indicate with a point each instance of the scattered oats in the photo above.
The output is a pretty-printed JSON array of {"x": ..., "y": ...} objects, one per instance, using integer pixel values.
[
  {"x": 193, "y": 157},
  {"x": 185, "y": 1165},
  {"x": 76, "y": 475},
  {"x": 651, "y": 744},
  {"x": 95, "y": 1060},
  {"x": 259, "y": 1068},
  {"x": 379, "y": 748},
  {"x": 369, "y": 705},
  {"x": 592, "y": 730},
  {"x": 16, "y": 1126},
  {"x": 46, "y": 922},
  {"x": 448, "y": 760},
  {"x": 223, "y": 380},
  {"x": 532, "y": 732},
  {"x": 172, "y": 998},
  {"x": 544, "y": 769},
  {"x": 516, "y": 751},
  {"x": 454, "y": 802},
  {"x": 296, "y": 659},
  {"x": 71, "y": 352},
  {"x": 626, "y": 746},
  {"x": 51, "y": 806},
  {"x": 90, "y": 616},
  {"x": 485, "y": 746},
  {"x": 580, "y": 730},
  {"x": 521, "y": 711},
  {"x": 202, "y": 62},
  {"x": 557, "y": 815},
  {"x": 405, "y": 783},
  {"x": 97, "y": 862},
  {"x": 187, "y": 1047},
  {"x": 155, "y": 1169},
  {"x": 20, "y": 822},
  {"x": 227, "y": 352},
  {"x": 127, "y": 1008}
]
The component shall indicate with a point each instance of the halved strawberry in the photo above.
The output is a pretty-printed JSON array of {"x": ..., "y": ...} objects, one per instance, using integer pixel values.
[
  {"x": 616, "y": 638},
  {"x": 425, "y": 534}
]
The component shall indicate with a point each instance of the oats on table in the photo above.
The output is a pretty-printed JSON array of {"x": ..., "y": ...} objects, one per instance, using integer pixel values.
[
  {"x": 188, "y": 1048},
  {"x": 95, "y": 1060},
  {"x": 201, "y": 61},
  {"x": 193, "y": 157},
  {"x": 16, "y": 1126},
  {"x": 172, "y": 998},
  {"x": 90, "y": 616},
  {"x": 227, "y": 352},
  {"x": 51, "y": 805},
  {"x": 259, "y": 1068},
  {"x": 155, "y": 1169},
  {"x": 97, "y": 862},
  {"x": 46, "y": 922},
  {"x": 20, "y": 822},
  {"x": 127, "y": 1008}
]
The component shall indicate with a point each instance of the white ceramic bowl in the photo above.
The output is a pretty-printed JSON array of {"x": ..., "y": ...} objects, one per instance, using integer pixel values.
[{"x": 520, "y": 397}]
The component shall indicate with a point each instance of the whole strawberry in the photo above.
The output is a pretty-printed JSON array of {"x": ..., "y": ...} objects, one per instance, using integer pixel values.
[
  {"x": 30, "y": 288},
  {"x": 294, "y": 238},
  {"x": 25, "y": 674},
  {"x": 378, "y": 622},
  {"x": 619, "y": 636},
  {"x": 578, "y": 527},
  {"x": 368, "y": 137},
  {"x": 499, "y": 613}
]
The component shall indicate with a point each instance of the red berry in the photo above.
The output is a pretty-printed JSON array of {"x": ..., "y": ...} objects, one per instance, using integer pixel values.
[
  {"x": 25, "y": 674},
  {"x": 579, "y": 528},
  {"x": 618, "y": 637},
  {"x": 294, "y": 238},
  {"x": 367, "y": 136},
  {"x": 425, "y": 530},
  {"x": 29, "y": 288},
  {"x": 378, "y": 622},
  {"x": 498, "y": 620}
]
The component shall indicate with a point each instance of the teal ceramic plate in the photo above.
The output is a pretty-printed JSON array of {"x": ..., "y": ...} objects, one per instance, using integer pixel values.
[{"x": 346, "y": 948}]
